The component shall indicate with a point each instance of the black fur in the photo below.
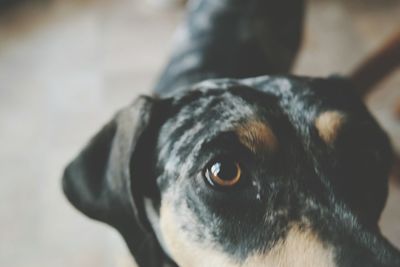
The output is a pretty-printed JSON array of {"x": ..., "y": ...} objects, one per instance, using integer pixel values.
[{"x": 157, "y": 148}]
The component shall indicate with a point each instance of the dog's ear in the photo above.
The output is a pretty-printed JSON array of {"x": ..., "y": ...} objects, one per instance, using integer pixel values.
[{"x": 104, "y": 183}]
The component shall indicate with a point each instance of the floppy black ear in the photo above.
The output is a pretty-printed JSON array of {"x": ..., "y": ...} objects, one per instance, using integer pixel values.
[{"x": 101, "y": 180}]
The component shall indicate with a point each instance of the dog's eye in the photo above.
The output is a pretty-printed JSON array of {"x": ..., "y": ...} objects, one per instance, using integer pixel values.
[{"x": 223, "y": 172}]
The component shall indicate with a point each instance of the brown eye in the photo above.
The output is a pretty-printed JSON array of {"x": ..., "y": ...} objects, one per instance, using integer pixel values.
[{"x": 223, "y": 172}]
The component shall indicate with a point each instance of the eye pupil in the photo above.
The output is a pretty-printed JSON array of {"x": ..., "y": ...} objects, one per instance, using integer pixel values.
[
  {"x": 225, "y": 170},
  {"x": 223, "y": 173}
]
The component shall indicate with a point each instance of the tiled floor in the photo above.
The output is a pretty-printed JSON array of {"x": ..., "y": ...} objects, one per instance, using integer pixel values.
[{"x": 67, "y": 66}]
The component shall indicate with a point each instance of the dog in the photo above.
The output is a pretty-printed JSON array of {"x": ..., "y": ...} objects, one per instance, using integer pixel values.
[{"x": 234, "y": 162}]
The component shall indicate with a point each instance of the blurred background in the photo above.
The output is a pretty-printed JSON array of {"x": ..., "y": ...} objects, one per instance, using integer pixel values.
[{"x": 67, "y": 66}]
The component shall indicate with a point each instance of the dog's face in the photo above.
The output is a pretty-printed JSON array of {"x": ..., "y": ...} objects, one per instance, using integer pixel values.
[
  {"x": 256, "y": 172},
  {"x": 234, "y": 179}
]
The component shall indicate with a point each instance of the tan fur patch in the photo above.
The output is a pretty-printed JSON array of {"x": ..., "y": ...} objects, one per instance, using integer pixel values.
[
  {"x": 301, "y": 248},
  {"x": 257, "y": 136},
  {"x": 328, "y": 125},
  {"x": 183, "y": 250}
]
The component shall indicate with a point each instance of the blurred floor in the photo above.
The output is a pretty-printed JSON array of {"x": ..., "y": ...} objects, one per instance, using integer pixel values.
[{"x": 67, "y": 66}]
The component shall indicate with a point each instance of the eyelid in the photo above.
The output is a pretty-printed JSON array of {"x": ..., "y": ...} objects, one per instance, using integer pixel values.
[{"x": 227, "y": 144}]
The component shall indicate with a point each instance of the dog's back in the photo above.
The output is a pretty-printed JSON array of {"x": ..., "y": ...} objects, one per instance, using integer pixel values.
[{"x": 233, "y": 39}]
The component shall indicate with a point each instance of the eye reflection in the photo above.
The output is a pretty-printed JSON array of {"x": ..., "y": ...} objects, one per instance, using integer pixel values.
[{"x": 223, "y": 172}]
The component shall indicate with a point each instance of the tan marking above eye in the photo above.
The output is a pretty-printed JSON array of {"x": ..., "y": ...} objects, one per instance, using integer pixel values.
[
  {"x": 328, "y": 125},
  {"x": 256, "y": 136}
]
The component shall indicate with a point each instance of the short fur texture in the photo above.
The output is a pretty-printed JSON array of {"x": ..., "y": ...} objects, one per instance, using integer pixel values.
[{"x": 314, "y": 161}]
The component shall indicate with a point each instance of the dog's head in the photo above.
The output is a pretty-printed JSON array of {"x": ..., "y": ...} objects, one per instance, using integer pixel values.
[{"x": 268, "y": 171}]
